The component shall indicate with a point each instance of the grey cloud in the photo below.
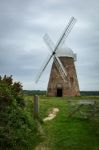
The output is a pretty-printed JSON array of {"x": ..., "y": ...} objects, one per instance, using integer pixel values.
[{"x": 22, "y": 50}]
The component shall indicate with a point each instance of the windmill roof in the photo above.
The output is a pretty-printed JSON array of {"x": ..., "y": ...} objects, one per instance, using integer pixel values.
[{"x": 65, "y": 52}]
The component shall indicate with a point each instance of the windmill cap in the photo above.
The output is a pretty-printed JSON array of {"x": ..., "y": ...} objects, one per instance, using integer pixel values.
[{"x": 65, "y": 52}]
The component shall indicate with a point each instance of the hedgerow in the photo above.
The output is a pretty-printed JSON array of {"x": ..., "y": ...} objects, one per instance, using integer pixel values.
[{"x": 16, "y": 124}]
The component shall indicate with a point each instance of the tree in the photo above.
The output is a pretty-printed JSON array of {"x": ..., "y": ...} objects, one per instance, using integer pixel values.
[{"x": 15, "y": 124}]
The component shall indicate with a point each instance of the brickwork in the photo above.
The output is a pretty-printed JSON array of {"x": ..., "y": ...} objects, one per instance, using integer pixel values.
[{"x": 71, "y": 88}]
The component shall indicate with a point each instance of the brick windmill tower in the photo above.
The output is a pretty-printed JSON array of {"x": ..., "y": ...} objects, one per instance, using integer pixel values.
[
  {"x": 57, "y": 86},
  {"x": 63, "y": 79}
]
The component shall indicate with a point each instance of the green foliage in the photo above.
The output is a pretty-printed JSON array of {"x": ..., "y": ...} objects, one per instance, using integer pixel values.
[
  {"x": 65, "y": 133},
  {"x": 89, "y": 93},
  {"x": 34, "y": 92},
  {"x": 9, "y": 91},
  {"x": 16, "y": 124}
]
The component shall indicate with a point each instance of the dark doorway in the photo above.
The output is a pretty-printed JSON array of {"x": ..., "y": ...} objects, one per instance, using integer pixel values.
[{"x": 59, "y": 92}]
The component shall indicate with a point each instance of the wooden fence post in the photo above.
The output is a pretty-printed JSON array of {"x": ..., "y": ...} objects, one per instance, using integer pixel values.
[{"x": 36, "y": 107}]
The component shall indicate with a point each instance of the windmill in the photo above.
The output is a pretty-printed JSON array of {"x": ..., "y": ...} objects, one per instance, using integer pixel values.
[{"x": 63, "y": 79}]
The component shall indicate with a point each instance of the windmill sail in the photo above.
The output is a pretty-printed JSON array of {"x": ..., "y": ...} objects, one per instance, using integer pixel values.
[
  {"x": 43, "y": 68},
  {"x": 60, "y": 68},
  {"x": 54, "y": 49},
  {"x": 66, "y": 32},
  {"x": 49, "y": 42}
]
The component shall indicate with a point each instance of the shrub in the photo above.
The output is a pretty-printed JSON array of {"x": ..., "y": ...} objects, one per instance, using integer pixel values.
[{"x": 16, "y": 125}]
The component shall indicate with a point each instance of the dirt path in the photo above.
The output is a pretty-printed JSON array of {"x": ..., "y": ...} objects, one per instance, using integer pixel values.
[
  {"x": 42, "y": 146},
  {"x": 51, "y": 115}
]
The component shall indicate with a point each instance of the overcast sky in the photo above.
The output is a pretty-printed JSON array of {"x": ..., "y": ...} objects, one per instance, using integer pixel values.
[{"x": 23, "y": 24}]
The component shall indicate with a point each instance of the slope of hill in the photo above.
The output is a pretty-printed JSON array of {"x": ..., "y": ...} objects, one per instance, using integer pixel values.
[{"x": 63, "y": 132}]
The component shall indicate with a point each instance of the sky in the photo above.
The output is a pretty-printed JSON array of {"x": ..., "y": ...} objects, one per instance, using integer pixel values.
[{"x": 23, "y": 23}]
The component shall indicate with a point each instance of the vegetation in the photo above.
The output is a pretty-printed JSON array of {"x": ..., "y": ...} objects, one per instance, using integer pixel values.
[
  {"x": 19, "y": 131},
  {"x": 16, "y": 123},
  {"x": 39, "y": 92},
  {"x": 34, "y": 92},
  {"x": 89, "y": 93},
  {"x": 67, "y": 133}
]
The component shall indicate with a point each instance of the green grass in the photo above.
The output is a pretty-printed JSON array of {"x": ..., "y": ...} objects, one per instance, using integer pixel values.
[{"x": 63, "y": 132}]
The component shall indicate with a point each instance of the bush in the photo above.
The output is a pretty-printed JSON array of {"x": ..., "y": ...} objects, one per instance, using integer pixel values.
[{"x": 16, "y": 124}]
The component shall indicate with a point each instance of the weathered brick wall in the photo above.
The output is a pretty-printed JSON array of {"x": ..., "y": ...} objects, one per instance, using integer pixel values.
[{"x": 71, "y": 88}]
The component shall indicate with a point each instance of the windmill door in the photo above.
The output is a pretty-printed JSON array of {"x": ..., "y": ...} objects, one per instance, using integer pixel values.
[{"x": 59, "y": 90}]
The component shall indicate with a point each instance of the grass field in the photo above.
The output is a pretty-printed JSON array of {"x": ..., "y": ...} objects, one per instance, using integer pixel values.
[{"x": 63, "y": 132}]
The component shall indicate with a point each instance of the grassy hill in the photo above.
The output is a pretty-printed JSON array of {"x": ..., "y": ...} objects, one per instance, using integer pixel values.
[
  {"x": 19, "y": 130},
  {"x": 63, "y": 132}
]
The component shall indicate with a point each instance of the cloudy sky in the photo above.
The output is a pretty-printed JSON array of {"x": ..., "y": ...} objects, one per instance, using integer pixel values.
[{"x": 23, "y": 24}]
